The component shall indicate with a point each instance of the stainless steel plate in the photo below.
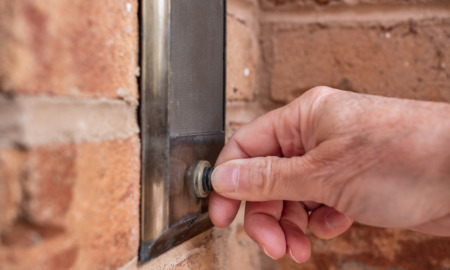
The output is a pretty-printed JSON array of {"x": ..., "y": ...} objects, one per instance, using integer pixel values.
[{"x": 182, "y": 114}]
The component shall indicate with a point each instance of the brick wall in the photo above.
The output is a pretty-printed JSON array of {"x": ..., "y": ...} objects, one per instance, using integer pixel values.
[
  {"x": 395, "y": 48},
  {"x": 69, "y": 143},
  {"x": 69, "y": 137}
]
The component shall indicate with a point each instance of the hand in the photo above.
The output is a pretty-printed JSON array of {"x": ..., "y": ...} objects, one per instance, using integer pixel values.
[{"x": 338, "y": 156}]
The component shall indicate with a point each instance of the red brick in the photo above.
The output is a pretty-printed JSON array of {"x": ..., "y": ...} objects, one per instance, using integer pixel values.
[
  {"x": 105, "y": 215},
  {"x": 48, "y": 183},
  {"x": 365, "y": 247},
  {"x": 10, "y": 189},
  {"x": 242, "y": 56},
  {"x": 91, "y": 191},
  {"x": 285, "y": 4},
  {"x": 393, "y": 1},
  {"x": 406, "y": 60},
  {"x": 277, "y": 3},
  {"x": 71, "y": 48}
]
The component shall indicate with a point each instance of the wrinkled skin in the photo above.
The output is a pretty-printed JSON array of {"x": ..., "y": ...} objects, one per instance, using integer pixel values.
[{"x": 339, "y": 156}]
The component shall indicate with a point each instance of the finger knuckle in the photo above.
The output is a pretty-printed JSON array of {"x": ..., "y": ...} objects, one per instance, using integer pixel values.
[
  {"x": 263, "y": 175},
  {"x": 320, "y": 89},
  {"x": 317, "y": 96}
]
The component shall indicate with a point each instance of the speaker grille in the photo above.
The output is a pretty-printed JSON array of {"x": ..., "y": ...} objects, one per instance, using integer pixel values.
[{"x": 196, "y": 83}]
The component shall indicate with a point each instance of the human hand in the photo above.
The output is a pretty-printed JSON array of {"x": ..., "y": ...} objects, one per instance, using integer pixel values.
[{"x": 330, "y": 157}]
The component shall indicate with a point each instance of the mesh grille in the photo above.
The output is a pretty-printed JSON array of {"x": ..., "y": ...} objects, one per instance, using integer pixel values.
[{"x": 196, "y": 95}]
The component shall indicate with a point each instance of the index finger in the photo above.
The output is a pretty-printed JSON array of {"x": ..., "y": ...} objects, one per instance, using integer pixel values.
[{"x": 276, "y": 133}]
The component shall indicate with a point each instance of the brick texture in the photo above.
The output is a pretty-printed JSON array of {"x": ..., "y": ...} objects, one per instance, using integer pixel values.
[
  {"x": 408, "y": 59},
  {"x": 284, "y": 4},
  {"x": 369, "y": 248},
  {"x": 71, "y": 48},
  {"x": 70, "y": 206},
  {"x": 70, "y": 199},
  {"x": 243, "y": 55},
  {"x": 10, "y": 189},
  {"x": 243, "y": 64},
  {"x": 242, "y": 60}
]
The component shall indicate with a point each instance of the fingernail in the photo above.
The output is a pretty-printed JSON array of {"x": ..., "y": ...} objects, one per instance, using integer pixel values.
[
  {"x": 225, "y": 178},
  {"x": 292, "y": 256},
  {"x": 267, "y": 253},
  {"x": 337, "y": 220}
]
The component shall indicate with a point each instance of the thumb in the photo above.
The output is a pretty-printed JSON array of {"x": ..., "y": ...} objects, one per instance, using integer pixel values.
[{"x": 271, "y": 178}]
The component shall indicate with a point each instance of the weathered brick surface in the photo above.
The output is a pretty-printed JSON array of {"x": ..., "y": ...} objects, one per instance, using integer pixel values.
[
  {"x": 71, "y": 203},
  {"x": 277, "y": 3},
  {"x": 241, "y": 61},
  {"x": 47, "y": 185},
  {"x": 10, "y": 189},
  {"x": 242, "y": 50},
  {"x": 408, "y": 59},
  {"x": 72, "y": 48},
  {"x": 284, "y": 4},
  {"x": 79, "y": 206},
  {"x": 364, "y": 247},
  {"x": 108, "y": 200}
]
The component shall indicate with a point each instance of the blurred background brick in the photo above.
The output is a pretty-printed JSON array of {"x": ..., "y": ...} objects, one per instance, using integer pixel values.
[
  {"x": 408, "y": 59},
  {"x": 84, "y": 197},
  {"x": 285, "y": 4},
  {"x": 69, "y": 144},
  {"x": 242, "y": 64},
  {"x": 71, "y": 48},
  {"x": 364, "y": 247}
]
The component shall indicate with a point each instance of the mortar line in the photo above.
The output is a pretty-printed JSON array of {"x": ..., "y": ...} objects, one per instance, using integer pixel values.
[
  {"x": 380, "y": 14},
  {"x": 44, "y": 120}
]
